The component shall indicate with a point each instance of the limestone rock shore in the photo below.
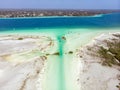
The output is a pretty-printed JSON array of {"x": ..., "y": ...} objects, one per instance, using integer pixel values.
[
  {"x": 22, "y": 61},
  {"x": 100, "y": 60}
]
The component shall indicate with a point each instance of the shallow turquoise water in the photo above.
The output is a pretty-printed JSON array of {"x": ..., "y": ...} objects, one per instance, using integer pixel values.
[
  {"x": 59, "y": 26},
  {"x": 61, "y": 64}
]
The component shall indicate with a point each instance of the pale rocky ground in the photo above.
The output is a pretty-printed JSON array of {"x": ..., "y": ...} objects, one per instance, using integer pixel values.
[
  {"x": 22, "y": 61},
  {"x": 100, "y": 63},
  {"x": 96, "y": 66}
]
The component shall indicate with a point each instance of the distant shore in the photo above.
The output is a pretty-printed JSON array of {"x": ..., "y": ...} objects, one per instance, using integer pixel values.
[{"x": 8, "y": 13}]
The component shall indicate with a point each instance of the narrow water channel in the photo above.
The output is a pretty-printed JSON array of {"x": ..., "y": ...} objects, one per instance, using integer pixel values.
[{"x": 61, "y": 64}]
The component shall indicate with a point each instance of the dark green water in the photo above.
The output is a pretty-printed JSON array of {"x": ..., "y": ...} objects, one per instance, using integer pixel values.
[{"x": 61, "y": 64}]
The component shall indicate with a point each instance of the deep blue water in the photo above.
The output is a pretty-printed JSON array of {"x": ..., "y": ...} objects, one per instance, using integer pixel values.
[
  {"x": 108, "y": 20},
  {"x": 105, "y": 20}
]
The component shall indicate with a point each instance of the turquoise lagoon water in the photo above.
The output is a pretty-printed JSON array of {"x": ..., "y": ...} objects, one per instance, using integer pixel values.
[{"x": 59, "y": 26}]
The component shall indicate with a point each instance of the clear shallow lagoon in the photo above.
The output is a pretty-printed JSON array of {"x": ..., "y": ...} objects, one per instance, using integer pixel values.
[{"x": 60, "y": 26}]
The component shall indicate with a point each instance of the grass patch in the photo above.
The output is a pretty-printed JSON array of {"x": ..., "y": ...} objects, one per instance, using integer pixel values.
[
  {"x": 20, "y": 38},
  {"x": 57, "y": 53},
  {"x": 63, "y": 37},
  {"x": 109, "y": 59},
  {"x": 70, "y": 52}
]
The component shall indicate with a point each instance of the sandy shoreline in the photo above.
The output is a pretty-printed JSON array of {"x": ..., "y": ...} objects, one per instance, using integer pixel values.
[
  {"x": 32, "y": 58},
  {"x": 23, "y": 58},
  {"x": 76, "y": 43}
]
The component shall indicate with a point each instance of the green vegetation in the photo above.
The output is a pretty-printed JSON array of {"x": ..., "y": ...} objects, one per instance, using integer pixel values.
[
  {"x": 57, "y": 53},
  {"x": 118, "y": 86},
  {"x": 70, "y": 52},
  {"x": 112, "y": 55},
  {"x": 20, "y": 38},
  {"x": 63, "y": 37},
  {"x": 89, "y": 49},
  {"x": 47, "y": 54}
]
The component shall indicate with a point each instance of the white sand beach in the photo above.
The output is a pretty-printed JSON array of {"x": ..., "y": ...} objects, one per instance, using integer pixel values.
[
  {"x": 100, "y": 69},
  {"x": 74, "y": 65},
  {"x": 22, "y": 60},
  {"x": 34, "y": 62}
]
